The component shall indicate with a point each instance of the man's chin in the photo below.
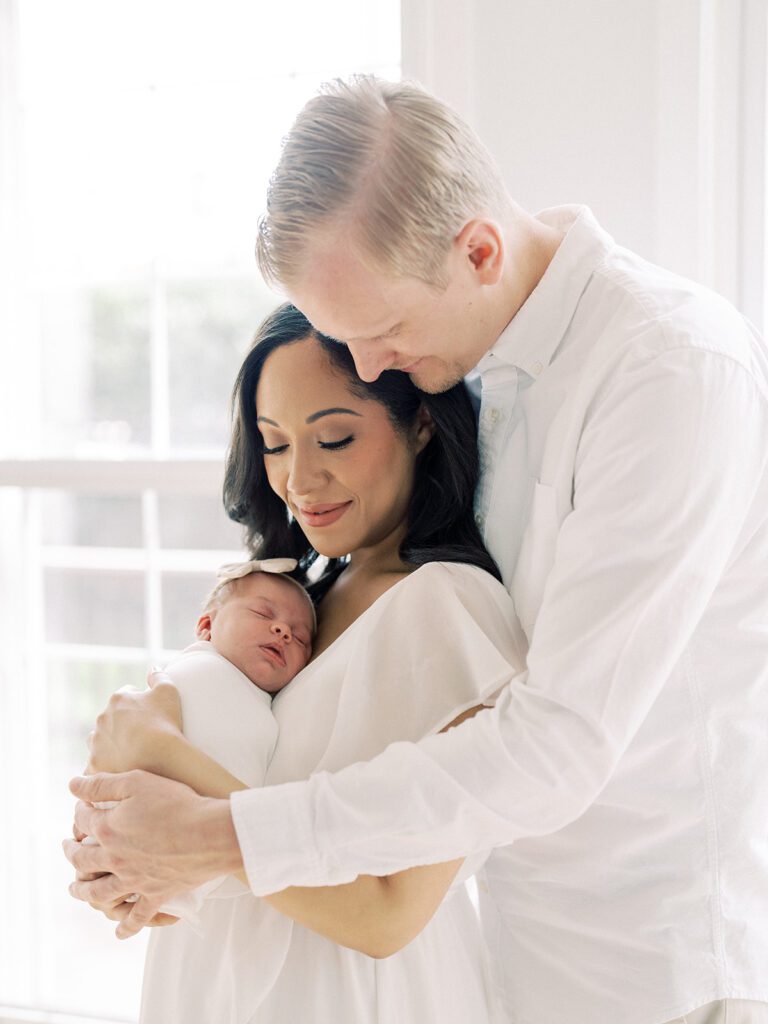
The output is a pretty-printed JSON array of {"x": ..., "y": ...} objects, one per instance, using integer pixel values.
[{"x": 436, "y": 380}]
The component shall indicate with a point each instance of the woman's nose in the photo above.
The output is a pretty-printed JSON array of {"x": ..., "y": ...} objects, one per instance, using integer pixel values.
[
  {"x": 282, "y": 631},
  {"x": 304, "y": 475}
]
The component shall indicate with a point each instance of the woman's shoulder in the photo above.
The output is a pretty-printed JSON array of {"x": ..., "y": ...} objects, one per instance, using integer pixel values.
[
  {"x": 460, "y": 578},
  {"x": 438, "y": 594}
]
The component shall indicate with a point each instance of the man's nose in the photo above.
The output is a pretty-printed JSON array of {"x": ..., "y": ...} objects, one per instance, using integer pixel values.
[
  {"x": 371, "y": 358},
  {"x": 282, "y": 631}
]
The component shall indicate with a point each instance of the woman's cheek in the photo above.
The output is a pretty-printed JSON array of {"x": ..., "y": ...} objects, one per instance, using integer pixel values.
[{"x": 276, "y": 479}]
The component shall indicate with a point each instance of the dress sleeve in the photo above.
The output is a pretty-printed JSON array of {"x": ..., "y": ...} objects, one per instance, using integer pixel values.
[{"x": 669, "y": 476}]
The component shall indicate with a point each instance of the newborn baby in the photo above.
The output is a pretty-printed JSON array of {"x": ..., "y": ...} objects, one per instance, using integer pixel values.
[
  {"x": 260, "y": 620},
  {"x": 254, "y": 635}
]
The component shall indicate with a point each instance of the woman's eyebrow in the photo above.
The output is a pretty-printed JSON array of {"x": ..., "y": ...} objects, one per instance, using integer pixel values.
[
  {"x": 329, "y": 412},
  {"x": 315, "y": 415}
]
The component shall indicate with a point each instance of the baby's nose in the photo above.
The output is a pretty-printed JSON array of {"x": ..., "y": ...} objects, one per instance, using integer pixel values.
[{"x": 282, "y": 630}]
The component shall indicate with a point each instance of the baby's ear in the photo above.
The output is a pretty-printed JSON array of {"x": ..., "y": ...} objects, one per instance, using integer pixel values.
[{"x": 203, "y": 631}]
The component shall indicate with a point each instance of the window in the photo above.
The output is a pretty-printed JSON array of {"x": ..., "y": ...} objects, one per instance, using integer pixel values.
[{"x": 137, "y": 140}]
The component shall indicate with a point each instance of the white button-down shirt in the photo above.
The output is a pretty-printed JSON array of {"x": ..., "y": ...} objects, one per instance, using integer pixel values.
[{"x": 623, "y": 778}]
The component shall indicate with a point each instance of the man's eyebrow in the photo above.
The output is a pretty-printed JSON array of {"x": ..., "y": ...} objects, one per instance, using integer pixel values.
[
  {"x": 329, "y": 412},
  {"x": 382, "y": 334}
]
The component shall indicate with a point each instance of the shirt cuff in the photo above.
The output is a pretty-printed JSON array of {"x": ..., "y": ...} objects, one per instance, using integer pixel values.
[{"x": 274, "y": 830}]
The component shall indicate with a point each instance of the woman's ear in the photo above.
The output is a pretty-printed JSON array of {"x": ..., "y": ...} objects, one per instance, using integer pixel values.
[
  {"x": 424, "y": 428},
  {"x": 203, "y": 631}
]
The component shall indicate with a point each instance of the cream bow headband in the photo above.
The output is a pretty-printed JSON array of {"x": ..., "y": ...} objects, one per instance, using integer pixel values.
[
  {"x": 236, "y": 570},
  {"x": 278, "y": 566}
]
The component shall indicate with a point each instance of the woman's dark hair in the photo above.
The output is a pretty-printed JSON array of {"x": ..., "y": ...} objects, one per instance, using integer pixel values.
[{"x": 441, "y": 524}]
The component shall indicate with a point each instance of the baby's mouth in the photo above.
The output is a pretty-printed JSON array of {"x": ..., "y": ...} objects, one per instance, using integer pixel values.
[{"x": 274, "y": 653}]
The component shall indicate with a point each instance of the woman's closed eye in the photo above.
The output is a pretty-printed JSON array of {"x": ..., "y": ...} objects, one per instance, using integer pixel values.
[
  {"x": 331, "y": 446},
  {"x": 335, "y": 446},
  {"x": 274, "y": 451}
]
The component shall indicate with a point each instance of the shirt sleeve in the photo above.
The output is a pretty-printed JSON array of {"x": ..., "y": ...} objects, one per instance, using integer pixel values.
[{"x": 671, "y": 459}]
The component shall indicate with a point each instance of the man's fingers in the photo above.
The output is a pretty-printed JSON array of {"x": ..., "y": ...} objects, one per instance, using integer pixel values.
[
  {"x": 86, "y": 858},
  {"x": 141, "y": 914},
  {"x": 79, "y": 836},
  {"x": 104, "y": 786},
  {"x": 108, "y": 889}
]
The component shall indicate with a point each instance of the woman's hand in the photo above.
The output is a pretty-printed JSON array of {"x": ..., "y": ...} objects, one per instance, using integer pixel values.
[{"x": 135, "y": 728}]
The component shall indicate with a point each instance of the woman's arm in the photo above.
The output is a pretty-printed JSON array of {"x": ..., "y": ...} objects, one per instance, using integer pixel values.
[
  {"x": 373, "y": 915},
  {"x": 142, "y": 729}
]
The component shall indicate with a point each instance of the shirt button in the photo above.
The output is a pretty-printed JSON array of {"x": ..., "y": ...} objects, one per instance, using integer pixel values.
[
  {"x": 494, "y": 415},
  {"x": 478, "y": 519},
  {"x": 537, "y": 368}
]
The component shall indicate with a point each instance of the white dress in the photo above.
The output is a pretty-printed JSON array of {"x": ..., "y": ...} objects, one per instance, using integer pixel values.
[{"x": 438, "y": 642}]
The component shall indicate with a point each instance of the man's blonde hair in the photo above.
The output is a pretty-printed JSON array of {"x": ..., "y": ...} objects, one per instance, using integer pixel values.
[{"x": 400, "y": 167}]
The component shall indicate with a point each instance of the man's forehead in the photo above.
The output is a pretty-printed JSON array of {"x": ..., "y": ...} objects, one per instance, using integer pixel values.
[{"x": 344, "y": 298}]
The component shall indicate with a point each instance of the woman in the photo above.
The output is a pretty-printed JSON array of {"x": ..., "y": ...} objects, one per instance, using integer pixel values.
[{"x": 415, "y": 632}]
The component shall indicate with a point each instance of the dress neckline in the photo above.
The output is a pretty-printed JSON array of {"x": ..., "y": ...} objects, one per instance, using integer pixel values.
[{"x": 316, "y": 661}]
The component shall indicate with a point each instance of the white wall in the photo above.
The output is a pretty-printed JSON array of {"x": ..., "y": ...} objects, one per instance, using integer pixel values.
[{"x": 630, "y": 106}]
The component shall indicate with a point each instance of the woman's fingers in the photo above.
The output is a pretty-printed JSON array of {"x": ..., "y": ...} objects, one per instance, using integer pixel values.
[
  {"x": 89, "y": 876},
  {"x": 86, "y": 858},
  {"x": 161, "y": 921},
  {"x": 141, "y": 914},
  {"x": 105, "y": 891},
  {"x": 102, "y": 787},
  {"x": 157, "y": 676}
]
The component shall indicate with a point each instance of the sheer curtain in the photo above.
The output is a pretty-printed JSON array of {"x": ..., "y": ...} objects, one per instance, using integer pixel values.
[{"x": 135, "y": 146}]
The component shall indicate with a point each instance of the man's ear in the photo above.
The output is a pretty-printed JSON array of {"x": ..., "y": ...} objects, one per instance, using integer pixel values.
[
  {"x": 203, "y": 631},
  {"x": 424, "y": 428},
  {"x": 481, "y": 244}
]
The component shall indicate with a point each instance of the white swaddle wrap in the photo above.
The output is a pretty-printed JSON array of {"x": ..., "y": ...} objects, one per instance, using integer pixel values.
[{"x": 229, "y": 718}]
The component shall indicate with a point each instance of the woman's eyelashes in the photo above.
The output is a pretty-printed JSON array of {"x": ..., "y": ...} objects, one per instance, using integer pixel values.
[
  {"x": 331, "y": 446},
  {"x": 335, "y": 446}
]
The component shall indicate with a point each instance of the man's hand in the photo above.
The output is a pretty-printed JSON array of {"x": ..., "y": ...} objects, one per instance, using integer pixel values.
[{"x": 159, "y": 840}]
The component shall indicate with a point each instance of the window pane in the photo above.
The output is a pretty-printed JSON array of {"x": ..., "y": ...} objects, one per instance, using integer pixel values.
[
  {"x": 96, "y": 375},
  {"x": 197, "y": 523},
  {"x": 183, "y": 597},
  {"x": 87, "y": 607},
  {"x": 92, "y": 520},
  {"x": 211, "y": 323}
]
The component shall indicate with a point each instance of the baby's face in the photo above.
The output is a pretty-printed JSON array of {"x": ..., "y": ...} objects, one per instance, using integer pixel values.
[{"x": 264, "y": 627}]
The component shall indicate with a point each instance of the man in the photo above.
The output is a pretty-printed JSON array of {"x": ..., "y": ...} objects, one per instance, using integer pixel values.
[{"x": 624, "y": 430}]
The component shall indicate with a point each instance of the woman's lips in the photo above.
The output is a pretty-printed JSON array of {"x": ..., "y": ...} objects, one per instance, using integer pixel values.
[{"x": 322, "y": 515}]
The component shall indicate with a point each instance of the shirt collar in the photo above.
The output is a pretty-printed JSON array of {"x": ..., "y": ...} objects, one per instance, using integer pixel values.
[{"x": 533, "y": 335}]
